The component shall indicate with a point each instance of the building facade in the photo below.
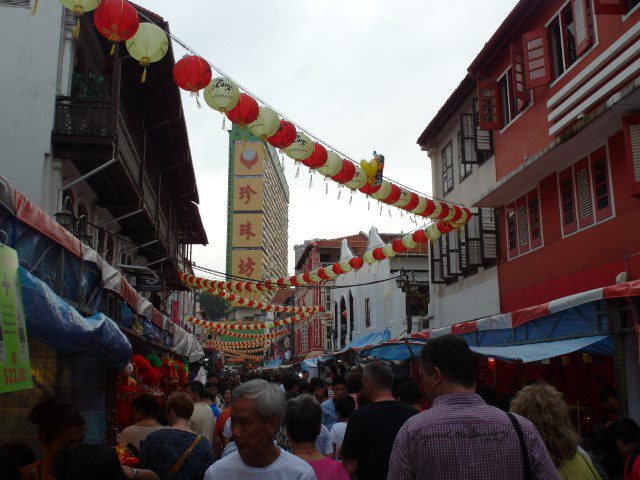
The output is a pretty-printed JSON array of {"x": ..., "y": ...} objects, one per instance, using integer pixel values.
[{"x": 258, "y": 213}]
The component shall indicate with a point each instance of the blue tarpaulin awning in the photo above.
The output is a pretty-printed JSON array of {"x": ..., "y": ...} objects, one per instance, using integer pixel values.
[
  {"x": 394, "y": 351},
  {"x": 367, "y": 340},
  {"x": 276, "y": 362}
]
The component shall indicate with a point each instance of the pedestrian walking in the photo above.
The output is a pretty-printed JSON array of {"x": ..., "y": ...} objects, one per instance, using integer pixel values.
[
  {"x": 344, "y": 407},
  {"x": 95, "y": 462},
  {"x": 303, "y": 424},
  {"x": 371, "y": 430},
  {"x": 177, "y": 452},
  {"x": 257, "y": 411},
  {"x": 407, "y": 390},
  {"x": 202, "y": 420},
  {"x": 625, "y": 442},
  {"x": 319, "y": 390},
  {"x": 329, "y": 415},
  {"x": 144, "y": 410},
  {"x": 461, "y": 436}
]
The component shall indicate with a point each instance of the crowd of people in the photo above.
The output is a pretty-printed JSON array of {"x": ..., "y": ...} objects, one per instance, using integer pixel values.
[{"x": 365, "y": 426}]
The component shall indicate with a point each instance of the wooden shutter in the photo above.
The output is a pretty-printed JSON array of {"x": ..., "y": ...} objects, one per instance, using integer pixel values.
[
  {"x": 601, "y": 189},
  {"x": 522, "y": 218},
  {"x": 535, "y": 222},
  {"x": 568, "y": 213},
  {"x": 453, "y": 254},
  {"x": 512, "y": 230},
  {"x": 473, "y": 242},
  {"x": 610, "y": 7},
  {"x": 537, "y": 60},
  {"x": 436, "y": 262},
  {"x": 489, "y": 106},
  {"x": 583, "y": 193},
  {"x": 581, "y": 22},
  {"x": 446, "y": 156},
  {"x": 487, "y": 218},
  {"x": 632, "y": 140},
  {"x": 518, "y": 80},
  {"x": 467, "y": 138},
  {"x": 483, "y": 139}
]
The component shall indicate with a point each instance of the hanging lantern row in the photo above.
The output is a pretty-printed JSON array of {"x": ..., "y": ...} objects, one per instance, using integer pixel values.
[
  {"x": 244, "y": 344},
  {"x": 396, "y": 247},
  {"x": 232, "y": 333},
  {"x": 267, "y": 307},
  {"x": 117, "y": 20},
  {"x": 247, "y": 325}
]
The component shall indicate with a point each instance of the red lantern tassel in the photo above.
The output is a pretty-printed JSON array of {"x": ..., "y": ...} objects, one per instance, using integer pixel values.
[
  {"x": 35, "y": 8},
  {"x": 76, "y": 29},
  {"x": 113, "y": 50}
]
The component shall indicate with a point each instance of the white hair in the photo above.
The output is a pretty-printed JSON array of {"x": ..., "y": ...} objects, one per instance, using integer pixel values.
[{"x": 270, "y": 401}]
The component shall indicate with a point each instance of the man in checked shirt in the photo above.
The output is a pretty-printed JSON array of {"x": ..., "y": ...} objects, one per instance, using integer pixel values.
[{"x": 460, "y": 436}]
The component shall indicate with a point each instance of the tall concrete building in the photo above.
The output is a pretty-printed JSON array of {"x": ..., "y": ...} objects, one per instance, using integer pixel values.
[{"x": 258, "y": 213}]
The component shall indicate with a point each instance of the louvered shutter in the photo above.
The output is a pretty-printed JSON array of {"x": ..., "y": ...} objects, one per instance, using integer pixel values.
[
  {"x": 522, "y": 219},
  {"x": 483, "y": 139},
  {"x": 581, "y": 21},
  {"x": 600, "y": 179},
  {"x": 610, "y": 7},
  {"x": 444, "y": 258},
  {"x": 473, "y": 243},
  {"x": 537, "y": 61},
  {"x": 453, "y": 254},
  {"x": 512, "y": 230},
  {"x": 567, "y": 202},
  {"x": 535, "y": 223},
  {"x": 487, "y": 219},
  {"x": 467, "y": 146},
  {"x": 583, "y": 193},
  {"x": 489, "y": 106},
  {"x": 517, "y": 74},
  {"x": 436, "y": 262},
  {"x": 15, "y": 3},
  {"x": 632, "y": 139}
]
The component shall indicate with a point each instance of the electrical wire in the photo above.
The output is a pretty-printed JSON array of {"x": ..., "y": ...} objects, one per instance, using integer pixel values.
[{"x": 298, "y": 126}]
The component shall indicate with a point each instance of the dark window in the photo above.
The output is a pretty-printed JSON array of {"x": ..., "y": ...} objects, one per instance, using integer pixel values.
[
  {"x": 601, "y": 183},
  {"x": 534, "y": 217},
  {"x": 568, "y": 203},
  {"x": 569, "y": 32},
  {"x": 632, "y": 3},
  {"x": 555, "y": 45},
  {"x": 505, "y": 97},
  {"x": 447, "y": 168},
  {"x": 512, "y": 230}
]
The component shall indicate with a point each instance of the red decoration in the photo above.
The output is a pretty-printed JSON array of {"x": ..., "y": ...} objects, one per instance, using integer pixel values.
[
  {"x": 378, "y": 254},
  {"x": 318, "y": 158},
  {"x": 346, "y": 173},
  {"x": 306, "y": 277},
  {"x": 336, "y": 269},
  {"x": 444, "y": 227},
  {"x": 394, "y": 196},
  {"x": 245, "y": 112},
  {"x": 116, "y": 19},
  {"x": 430, "y": 208},
  {"x": 458, "y": 213},
  {"x": 285, "y": 135},
  {"x": 322, "y": 274},
  {"x": 369, "y": 190},
  {"x": 445, "y": 211},
  {"x": 192, "y": 73},
  {"x": 420, "y": 236},
  {"x": 491, "y": 363},
  {"x": 397, "y": 246},
  {"x": 356, "y": 263},
  {"x": 413, "y": 203},
  {"x": 294, "y": 281}
]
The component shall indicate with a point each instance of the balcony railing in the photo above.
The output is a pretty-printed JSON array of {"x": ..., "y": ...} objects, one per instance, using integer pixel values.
[{"x": 82, "y": 117}]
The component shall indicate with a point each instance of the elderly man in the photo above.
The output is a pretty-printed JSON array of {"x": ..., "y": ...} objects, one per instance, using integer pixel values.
[{"x": 257, "y": 410}]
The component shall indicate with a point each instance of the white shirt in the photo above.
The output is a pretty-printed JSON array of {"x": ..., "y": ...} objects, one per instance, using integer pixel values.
[
  {"x": 226, "y": 431},
  {"x": 286, "y": 467},
  {"x": 202, "y": 420},
  {"x": 323, "y": 442},
  {"x": 337, "y": 435}
]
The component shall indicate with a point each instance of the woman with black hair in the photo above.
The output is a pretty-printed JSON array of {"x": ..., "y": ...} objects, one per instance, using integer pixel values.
[
  {"x": 144, "y": 410},
  {"x": 626, "y": 433}
]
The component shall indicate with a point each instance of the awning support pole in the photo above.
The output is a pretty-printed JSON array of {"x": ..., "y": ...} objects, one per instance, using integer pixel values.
[
  {"x": 615, "y": 327},
  {"x": 90, "y": 174},
  {"x": 121, "y": 217}
]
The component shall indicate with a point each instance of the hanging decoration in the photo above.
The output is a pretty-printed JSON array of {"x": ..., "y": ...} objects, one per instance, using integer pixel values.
[
  {"x": 254, "y": 336},
  {"x": 222, "y": 95},
  {"x": 248, "y": 325},
  {"x": 245, "y": 112},
  {"x": 79, "y": 7},
  {"x": 301, "y": 148},
  {"x": 285, "y": 135},
  {"x": 317, "y": 158},
  {"x": 266, "y": 124},
  {"x": 117, "y": 20},
  {"x": 332, "y": 166},
  {"x": 149, "y": 45},
  {"x": 267, "y": 307},
  {"x": 192, "y": 73}
]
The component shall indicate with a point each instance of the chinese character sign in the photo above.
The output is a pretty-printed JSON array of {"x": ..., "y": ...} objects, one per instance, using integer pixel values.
[
  {"x": 248, "y": 194},
  {"x": 247, "y": 230},
  {"x": 15, "y": 365},
  {"x": 247, "y": 264},
  {"x": 248, "y": 158}
]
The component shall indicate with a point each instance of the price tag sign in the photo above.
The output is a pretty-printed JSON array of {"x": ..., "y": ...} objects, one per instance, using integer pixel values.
[{"x": 15, "y": 366}]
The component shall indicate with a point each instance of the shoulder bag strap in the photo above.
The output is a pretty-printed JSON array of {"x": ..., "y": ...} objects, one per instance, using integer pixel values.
[
  {"x": 176, "y": 466},
  {"x": 523, "y": 446}
]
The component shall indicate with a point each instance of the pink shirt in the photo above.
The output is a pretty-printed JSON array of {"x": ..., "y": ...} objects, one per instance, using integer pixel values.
[{"x": 328, "y": 469}]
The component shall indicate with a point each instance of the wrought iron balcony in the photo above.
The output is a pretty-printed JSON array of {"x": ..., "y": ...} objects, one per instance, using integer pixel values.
[{"x": 83, "y": 117}]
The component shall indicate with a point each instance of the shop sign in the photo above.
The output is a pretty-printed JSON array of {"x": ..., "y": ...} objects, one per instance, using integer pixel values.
[
  {"x": 151, "y": 283},
  {"x": 15, "y": 365},
  {"x": 175, "y": 312}
]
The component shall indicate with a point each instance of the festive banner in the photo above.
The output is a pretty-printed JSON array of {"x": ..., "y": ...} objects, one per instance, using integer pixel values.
[
  {"x": 15, "y": 365},
  {"x": 253, "y": 326}
]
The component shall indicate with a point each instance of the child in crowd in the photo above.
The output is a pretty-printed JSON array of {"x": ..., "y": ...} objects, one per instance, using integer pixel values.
[{"x": 344, "y": 408}]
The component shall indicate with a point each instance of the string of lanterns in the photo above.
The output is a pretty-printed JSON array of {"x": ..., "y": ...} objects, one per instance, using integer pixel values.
[
  {"x": 247, "y": 325},
  {"x": 231, "y": 333}
]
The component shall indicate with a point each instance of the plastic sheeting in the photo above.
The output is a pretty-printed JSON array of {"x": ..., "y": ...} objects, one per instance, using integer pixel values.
[
  {"x": 52, "y": 321},
  {"x": 367, "y": 340},
  {"x": 276, "y": 362},
  {"x": 394, "y": 351},
  {"x": 186, "y": 344}
]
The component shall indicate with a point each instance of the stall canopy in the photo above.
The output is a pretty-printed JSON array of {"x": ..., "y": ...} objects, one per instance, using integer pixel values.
[
  {"x": 276, "y": 362},
  {"x": 394, "y": 350},
  {"x": 373, "y": 338}
]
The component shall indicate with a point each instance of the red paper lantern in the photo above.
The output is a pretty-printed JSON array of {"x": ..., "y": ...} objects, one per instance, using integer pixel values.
[
  {"x": 457, "y": 213},
  {"x": 307, "y": 277},
  {"x": 420, "y": 236},
  {"x": 378, "y": 254},
  {"x": 394, "y": 196},
  {"x": 397, "y": 246},
  {"x": 445, "y": 211},
  {"x": 369, "y": 190},
  {"x": 294, "y": 281},
  {"x": 192, "y": 73},
  {"x": 116, "y": 19},
  {"x": 285, "y": 135},
  {"x": 346, "y": 173},
  {"x": 318, "y": 158},
  {"x": 336, "y": 269},
  {"x": 245, "y": 112},
  {"x": 430, "y": 208},
  {"x": 322, "y": 274},
  {"x": 413, "y": 203},
  {"x": 356, "y": 263},
  {"x": 444, "y": 227}
]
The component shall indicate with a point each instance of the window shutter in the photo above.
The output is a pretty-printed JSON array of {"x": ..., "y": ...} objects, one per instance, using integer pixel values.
[
  {"x": 489, "y": 106},
  {"x": 453, "y": 254},
  {"x": 581, "y": 21},
  {"x": 436, "y": 262},
  {"x": 15, "y": 3},
  {"x": 467, "y": 137},
  {"x": 600, "y": 179},
  {"x": 487, "y": 222},
  {"x": 537, "y": 60},
  {"x": 473, "y": 242},
  {"x": 632, "y": 140},
  {"x": 483, "y": 139},
  {"x": 610, "y": 7},
  {"x": 535, "y": 223},
  {"x": 512, "y": 230},
  {"x": 567, "y": 202},
  {"x": 522, "y": 218},
  {"x": 583, "y": 193},
  {"x": 517, "y": 74}
]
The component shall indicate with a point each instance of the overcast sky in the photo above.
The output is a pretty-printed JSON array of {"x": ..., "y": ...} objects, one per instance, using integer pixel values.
[{"x": 362, "y": 75}]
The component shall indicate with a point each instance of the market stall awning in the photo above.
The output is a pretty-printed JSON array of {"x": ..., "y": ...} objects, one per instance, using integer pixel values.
[
  {"x": 394, "y": 351},
  {"x": 534, "y": 352},
  {"x": 276, "y": 362},
  {"x": 372, "y": 338}
]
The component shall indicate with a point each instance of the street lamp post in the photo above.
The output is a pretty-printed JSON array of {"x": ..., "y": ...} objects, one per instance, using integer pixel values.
[{"x": 406, "y": 282}]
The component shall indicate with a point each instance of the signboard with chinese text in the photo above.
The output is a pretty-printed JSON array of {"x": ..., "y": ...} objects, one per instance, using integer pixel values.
[
  {"x": 15, "y": 364},
  {"x": 247, "y": 264},
  {"x": 248, "y": 194},
  {"x": 247, "y": 230},
  {"x": 175, "y": 312},
  {"x": 248, "y": 158}
]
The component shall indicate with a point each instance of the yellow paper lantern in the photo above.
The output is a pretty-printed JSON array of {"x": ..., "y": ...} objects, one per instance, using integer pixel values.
[
  {"x": 222, "y": 94},
  {"x": 383, "y": 192},
  {"x": 451, "y": 214},
  {"x": 79, "y": 7},
  {"x": 422, "y": 204},
  {"x": 328, "y": 270},
  {"x": 368, "y": 257},
  {"x": 405, "y": 198},
  {"x": 301, "y": 148},
  {"x": 314, "y": 277},
  {"x": 408, "y": 242},
  {"x": 300, "y": 279},
  {"x": 266, "y": 124},
  {"x": 332, "y": 166},
  {"x": 345, "y": 266},
  {"x": 358, "y": 181},
  {"x": 149, "y": 45},
  {"x": 432, "y": 232},
  {"x": 438, "y": 210},
  {"x": 387, "y": 249}
]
